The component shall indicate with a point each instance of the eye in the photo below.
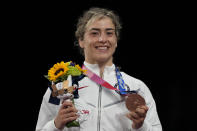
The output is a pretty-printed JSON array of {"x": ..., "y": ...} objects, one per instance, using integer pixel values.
[
  {"x": 110, "y": 33},
  {"x": 94, "y": 33}
]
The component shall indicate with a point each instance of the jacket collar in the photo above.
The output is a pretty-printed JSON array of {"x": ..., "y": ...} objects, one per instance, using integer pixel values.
[{"x": 95, "y": 68}]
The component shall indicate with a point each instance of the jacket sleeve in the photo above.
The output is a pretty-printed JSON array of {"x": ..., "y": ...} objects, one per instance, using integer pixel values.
[
  {"x": 47, "y": 115},
  {"x": 151, "y": 122}
]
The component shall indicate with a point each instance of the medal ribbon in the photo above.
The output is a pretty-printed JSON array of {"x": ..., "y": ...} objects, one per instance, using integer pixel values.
[
  {"x": 121, "y": 83},
  {"x": 94, "y": 77}
]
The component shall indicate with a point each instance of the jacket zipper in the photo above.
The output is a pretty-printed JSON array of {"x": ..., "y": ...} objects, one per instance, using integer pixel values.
[{"x": 99, "y": 108}]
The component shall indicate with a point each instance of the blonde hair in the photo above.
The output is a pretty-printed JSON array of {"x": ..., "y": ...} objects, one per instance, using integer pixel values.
[{"x": 96, "y": 13}]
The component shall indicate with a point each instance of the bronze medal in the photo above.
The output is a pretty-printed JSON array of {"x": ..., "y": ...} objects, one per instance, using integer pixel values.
[{"x": 133, "y": 101}]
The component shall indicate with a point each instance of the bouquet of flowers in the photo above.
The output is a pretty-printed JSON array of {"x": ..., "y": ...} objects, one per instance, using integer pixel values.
[
  {"x": 60, "y": 76},
  {"x": 60, "y": 71}
]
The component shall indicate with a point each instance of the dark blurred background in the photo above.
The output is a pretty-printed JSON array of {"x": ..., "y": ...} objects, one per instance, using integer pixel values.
[{"x": 154, "y": 47}]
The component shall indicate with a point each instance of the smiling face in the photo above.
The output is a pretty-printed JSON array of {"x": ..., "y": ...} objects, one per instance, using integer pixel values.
[{"x": 99, "y": 42}]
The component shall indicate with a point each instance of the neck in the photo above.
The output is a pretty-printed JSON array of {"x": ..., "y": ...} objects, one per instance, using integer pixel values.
[
  {"x": 102, "y": 67},
  {"x": 101, "y": 64}
]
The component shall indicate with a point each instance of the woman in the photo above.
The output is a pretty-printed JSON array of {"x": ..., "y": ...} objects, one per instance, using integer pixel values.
[{"x": 97, "y": 34}]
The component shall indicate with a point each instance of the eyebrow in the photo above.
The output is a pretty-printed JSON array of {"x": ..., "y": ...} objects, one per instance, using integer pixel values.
[{"x": 97, "y": 29}]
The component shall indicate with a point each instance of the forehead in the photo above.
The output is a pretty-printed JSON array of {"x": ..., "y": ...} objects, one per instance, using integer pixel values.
[{"x": 100, "y": 23}]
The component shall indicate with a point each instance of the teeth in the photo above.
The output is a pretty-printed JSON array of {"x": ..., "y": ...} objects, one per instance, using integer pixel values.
[{"x": 102, "y": 48}]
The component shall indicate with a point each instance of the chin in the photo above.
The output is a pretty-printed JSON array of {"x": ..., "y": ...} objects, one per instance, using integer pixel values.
[{"x": 102, "y": 58}]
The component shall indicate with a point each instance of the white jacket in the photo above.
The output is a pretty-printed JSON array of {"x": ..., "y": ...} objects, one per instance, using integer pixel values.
[{"x": 106, "y": 107}]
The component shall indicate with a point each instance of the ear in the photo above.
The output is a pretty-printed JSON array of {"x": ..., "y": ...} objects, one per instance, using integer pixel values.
[
  {"x": 81, "y": 43},
  {"x": 116, "y": 45}
]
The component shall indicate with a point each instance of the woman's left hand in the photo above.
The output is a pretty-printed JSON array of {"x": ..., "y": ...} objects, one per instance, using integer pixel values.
[{"x": 138, "y": 116}]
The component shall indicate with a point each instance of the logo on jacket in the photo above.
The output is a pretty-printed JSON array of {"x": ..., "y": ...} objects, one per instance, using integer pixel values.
[{"x": 83, "y": 111}]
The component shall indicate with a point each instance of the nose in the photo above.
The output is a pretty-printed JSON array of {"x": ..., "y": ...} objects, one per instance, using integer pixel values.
[{"x": 102, "y": 38}]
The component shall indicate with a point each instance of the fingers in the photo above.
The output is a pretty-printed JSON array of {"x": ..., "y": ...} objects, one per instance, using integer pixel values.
[
  {"x": 69, "y": 119},
  {"x": 66, "y": 104},
  {"x": 70, "y": 114},
  {"x": 141, "y": 111},
  {"x": 143, "y": 107},
  {"x": 137, "y": 120},
  {"x": 67, "y": 113},
  {"x": 68, "y": 110},
  {"x": 138, "y": 114},
  {"x": 134, "y": 115},
  {"x": 62, "y": 120}
]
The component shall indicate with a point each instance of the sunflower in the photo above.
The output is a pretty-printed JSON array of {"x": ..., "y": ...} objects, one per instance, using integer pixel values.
[{"x": 57, "y": 70}]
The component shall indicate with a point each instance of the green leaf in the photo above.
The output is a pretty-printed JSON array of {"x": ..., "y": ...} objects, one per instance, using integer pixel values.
[
  {"x": 46, "y": 76},
  {"x": 73, "y": 71},
  {"x": 73, "y": 124}
]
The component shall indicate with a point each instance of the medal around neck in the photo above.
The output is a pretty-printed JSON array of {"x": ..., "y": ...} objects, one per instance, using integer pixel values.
[
  {"x": 133, "y": 101},
  {"x": 60, "y": 75}
]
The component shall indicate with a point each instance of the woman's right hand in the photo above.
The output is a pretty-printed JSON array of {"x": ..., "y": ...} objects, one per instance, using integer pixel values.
[{"x": 67, "y": 113}]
